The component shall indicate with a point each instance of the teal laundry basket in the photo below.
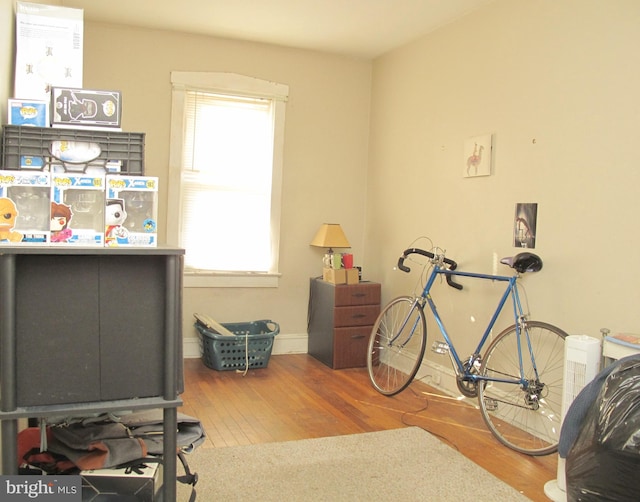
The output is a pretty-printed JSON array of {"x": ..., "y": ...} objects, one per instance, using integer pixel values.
[{"x": 250, "y": 347}]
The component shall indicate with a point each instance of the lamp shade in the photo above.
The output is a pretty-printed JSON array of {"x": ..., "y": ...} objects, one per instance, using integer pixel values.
[{"x": 330, "y": 235}]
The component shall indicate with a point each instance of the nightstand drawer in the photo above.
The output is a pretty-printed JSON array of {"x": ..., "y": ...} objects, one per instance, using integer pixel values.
[
  {"x": 362, "y": 315},
  {"x": 341, "y": 317},
  {"x": 364, "y": 293},
  {"x": 350, "y": 347}
]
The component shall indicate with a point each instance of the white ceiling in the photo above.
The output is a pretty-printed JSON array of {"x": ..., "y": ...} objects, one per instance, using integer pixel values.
[{"x": 360, "y": 28}]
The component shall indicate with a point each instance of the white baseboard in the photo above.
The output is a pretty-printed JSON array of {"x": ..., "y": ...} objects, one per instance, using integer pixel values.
[
  {"x": 291, "y": 344},
  {"x": 439, "y": 376},
  {"x": 282, "y": 344},
  {"x": 191, "y": 348}
]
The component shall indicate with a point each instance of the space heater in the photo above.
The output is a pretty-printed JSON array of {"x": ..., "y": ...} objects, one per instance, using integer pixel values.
[{"x": 582, "y": 356}]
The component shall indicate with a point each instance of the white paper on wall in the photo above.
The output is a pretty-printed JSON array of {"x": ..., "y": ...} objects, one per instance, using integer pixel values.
[{"x": 49, "y": 49}]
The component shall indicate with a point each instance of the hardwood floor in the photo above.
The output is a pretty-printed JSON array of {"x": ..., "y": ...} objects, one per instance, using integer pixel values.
[{"x": 297, "y": 397}]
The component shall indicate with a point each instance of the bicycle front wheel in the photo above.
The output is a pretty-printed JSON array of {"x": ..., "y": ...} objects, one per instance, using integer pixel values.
[
  {"x": 526, "y": 417},
  {"x": 396, "y": 345}
]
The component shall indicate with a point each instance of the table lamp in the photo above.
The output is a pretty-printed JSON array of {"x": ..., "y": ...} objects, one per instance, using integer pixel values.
[{"x": 330, "y": 235}]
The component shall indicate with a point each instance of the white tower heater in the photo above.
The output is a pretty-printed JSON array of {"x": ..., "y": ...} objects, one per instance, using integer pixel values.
[{"x": 582, "y": 356}]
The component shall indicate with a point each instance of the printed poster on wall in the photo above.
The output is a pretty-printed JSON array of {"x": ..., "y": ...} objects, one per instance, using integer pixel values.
[
  {"x": 49, "y": 49},
  {"x": 524, "y": 225}
]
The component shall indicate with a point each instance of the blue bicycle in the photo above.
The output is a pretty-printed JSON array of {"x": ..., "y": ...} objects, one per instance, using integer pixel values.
[{"x": 518, "y": 378}]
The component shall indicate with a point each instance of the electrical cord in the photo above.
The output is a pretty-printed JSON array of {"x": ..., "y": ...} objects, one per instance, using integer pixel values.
[{"x": 417, "y": 412}]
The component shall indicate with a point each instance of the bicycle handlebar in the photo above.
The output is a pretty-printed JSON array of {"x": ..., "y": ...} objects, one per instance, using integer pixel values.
[{"x": 452, "y": 264}]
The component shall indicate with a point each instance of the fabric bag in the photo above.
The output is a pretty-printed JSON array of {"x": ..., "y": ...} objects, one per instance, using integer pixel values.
[
  {"x": 109, "y": 441},
  {"x": 96, "y": 446},
  {"x": 148, "y": 426}
]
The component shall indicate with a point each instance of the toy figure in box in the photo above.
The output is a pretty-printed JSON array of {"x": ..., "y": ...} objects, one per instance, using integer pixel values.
[
  {"x": 84, "y": 106},
  {"x": 84, "y": 195},
  {"x": 139, "y": 195},
  {"x": 8, "y": 215},
  {"x": 24, "y": 207},
  {"x": 60, "y": 217},
  {"x": 114, "y": 217}
]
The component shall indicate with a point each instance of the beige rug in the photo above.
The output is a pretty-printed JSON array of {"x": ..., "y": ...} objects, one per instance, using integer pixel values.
[{"x": 406, "y": 465}]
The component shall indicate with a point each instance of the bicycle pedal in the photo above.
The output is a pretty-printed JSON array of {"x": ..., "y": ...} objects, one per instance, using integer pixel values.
[
  {"x": 440, "y": 347},
  {"x": 490, "y": 404}
]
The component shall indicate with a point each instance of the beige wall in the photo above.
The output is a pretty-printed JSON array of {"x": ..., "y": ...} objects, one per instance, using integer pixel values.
[
  {"x": 7, "y": 28},
  {"x": 325, "y": 157},
  {"x": 557, "y": 85}
]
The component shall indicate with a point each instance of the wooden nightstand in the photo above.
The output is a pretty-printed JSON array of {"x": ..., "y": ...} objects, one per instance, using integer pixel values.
[{"x": 340, "y": 321}]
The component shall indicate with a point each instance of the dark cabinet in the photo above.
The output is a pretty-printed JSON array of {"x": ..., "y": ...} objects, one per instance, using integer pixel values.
[
  {"x": 90, "y": 330},
  {"x": 341, "y": 317},
  {"x": 90, "y": 326}
]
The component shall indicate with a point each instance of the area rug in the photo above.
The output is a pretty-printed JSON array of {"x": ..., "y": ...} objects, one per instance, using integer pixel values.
[{"x": 405, "y": 464}]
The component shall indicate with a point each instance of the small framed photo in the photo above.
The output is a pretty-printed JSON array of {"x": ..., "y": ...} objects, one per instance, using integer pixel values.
[
  {"x": 524, "y": 225},
  {"x": 477, "y": 156}
]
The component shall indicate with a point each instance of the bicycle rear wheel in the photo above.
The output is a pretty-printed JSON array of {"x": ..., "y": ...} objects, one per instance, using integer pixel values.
[
  {"x": 526, "y": 418},
  {"x": 396, "y": 345}
]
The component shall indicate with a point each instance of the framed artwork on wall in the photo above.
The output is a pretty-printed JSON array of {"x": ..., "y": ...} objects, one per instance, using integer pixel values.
[
  {"x": 477, "y": 156},
  {"x": 524, "y": 225}
]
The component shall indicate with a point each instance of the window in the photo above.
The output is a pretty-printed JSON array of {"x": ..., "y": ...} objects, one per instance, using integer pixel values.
[{"x": 227, "y": 135}]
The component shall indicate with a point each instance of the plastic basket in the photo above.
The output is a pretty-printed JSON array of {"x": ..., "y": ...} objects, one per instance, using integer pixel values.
[
  {"x": 252, "y": 344},
  {"x": 25, "y": 147}
]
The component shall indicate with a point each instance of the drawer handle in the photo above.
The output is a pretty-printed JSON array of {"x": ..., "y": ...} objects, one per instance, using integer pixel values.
[
  {"x": 358, "y": 316},
  {"x": 356, "y": 337},
  {"x": 359, "y": 295}
]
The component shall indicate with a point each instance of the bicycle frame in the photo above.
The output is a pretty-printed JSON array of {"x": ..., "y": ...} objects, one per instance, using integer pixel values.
[
  {"x": 519, "y": 316},
  {"x": 520, "y": 399}
]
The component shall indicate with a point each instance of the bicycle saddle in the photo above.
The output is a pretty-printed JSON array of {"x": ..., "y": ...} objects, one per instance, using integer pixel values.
[{"x": 524, "y": 262}]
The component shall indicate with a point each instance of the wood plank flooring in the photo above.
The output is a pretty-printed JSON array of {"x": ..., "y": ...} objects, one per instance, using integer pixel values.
[{"x": 297, "y": 397}]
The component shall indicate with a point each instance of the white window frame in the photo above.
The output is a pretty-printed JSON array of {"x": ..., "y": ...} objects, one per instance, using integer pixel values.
[{"x": 230, "y": 83}]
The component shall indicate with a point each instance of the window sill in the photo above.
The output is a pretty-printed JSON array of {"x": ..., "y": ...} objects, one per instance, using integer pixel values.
[{"x": 230, "y": 280}]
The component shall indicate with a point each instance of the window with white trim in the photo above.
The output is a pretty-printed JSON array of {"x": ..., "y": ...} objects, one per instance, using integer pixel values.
[{"x": 227, "y": 136}]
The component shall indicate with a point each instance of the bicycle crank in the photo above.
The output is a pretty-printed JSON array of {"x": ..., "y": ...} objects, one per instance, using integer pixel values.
[{"x": 468, "y": 388}]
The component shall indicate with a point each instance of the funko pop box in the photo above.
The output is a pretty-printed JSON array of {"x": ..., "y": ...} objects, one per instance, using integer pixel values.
[
  {"x": 131, "y": 211},
  {"x": 85, "y": 107},
  {"x": 77, "y": 209},
  {"x": 28, "y": 112},
  {"x": 24, "y": 207}
]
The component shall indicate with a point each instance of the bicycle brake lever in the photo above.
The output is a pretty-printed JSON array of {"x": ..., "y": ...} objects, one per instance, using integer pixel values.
[
  {"x": 452, "y": 283},
  {"x": 452, "y": 266},
  {"x": 401, "y": 264}
]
